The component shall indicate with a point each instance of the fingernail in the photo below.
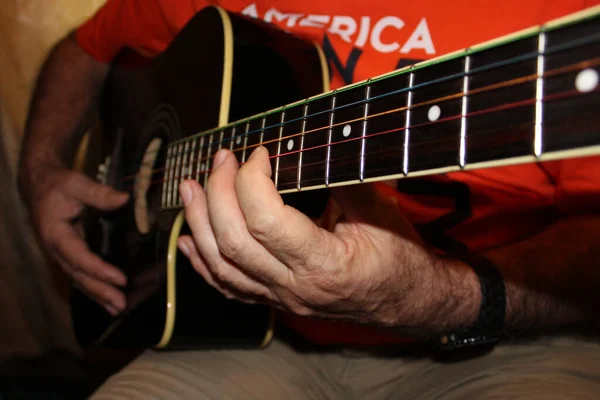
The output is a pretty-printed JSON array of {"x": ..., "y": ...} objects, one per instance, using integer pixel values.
[
  {"x": 186, "y": 193},
  {"x": 219, "y": 158},
  {"x": 183, "y": 248},
  {"x": 111, "y": 310},
  {"x": 255, "y": 152}
]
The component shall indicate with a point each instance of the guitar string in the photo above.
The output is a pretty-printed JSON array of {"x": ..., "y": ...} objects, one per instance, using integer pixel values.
[
  {"x": 178, "y": 177},
  {"x": 501, "y": 85},
  {"x": 323, "y": 112},
  {"x": 335, "y": 162},
  {"x": 473, "y": 71},
  {"x": 447, "y": 119},
  {"x": 503, "y": 63}
]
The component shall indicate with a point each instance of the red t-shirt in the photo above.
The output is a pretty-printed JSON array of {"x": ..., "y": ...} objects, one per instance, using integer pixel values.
[{"x": 506, "y": 204}]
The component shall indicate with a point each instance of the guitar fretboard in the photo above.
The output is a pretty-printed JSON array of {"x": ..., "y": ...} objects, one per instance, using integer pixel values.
[{"x": 528, "y": 97}]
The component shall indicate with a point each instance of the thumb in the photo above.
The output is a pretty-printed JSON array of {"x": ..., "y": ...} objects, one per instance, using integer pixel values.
[{"x": 95, "y": 194}]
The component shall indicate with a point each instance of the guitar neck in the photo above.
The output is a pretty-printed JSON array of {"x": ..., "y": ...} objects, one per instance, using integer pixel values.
[{"x": 528, "y": 97}]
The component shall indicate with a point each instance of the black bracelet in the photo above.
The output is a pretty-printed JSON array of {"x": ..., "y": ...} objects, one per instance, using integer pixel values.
[{"x": 492, "y": 312}]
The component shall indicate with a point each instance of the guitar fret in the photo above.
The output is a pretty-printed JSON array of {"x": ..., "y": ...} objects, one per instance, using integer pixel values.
[
  {"x": 407, "y": 123},
  {"x": 237, "y": 142},
  {"x": 435, "y": 116},
  {"x": 463, "y": 117},
  {"x": 191, "y": 174},
  {"x": 279, "y": 149},
  {"x": 299, "y": 177},
  {"x": 231, "y": 138},
  {"x": 539, "y": 93},
  {"x": 215, "y": 144},
  {"x": 184, "y": 163},
  {"x": 182, "y": 168},
  {"x": 221, "y": 138},
  {"x": 172, "y": 176},
  {"x": 262, "y": 129},
  {"x": 208, "y": 158},
  {"x": 346, "y": 132},
  {"x": 165, "y": 187},
  {"x": 245, "y": 141},
  {"x": 383, "y": 153},
  {"x": 328, "y": 159},
  {"x": 178, "y": 171},
  {"x": 199, "y": 163},
  {"x": 363, "y": 141}
]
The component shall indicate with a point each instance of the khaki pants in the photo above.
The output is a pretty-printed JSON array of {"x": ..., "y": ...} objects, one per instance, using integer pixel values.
[{"x": 556, "y": 368}]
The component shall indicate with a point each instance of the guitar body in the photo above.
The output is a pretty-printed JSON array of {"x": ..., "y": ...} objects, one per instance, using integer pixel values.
[{"x": 220, "y": 68}]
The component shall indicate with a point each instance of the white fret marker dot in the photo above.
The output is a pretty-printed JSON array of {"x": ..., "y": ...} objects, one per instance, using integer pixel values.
[
  {"x": 586, "y": 80},
  {"x": 347, "y": 130},
  {"x": 238, "y": 140},
  {"x": 202, "y": 167},
  {"x": 434, "y": 113},
  {"x": 290, "y": 144}
]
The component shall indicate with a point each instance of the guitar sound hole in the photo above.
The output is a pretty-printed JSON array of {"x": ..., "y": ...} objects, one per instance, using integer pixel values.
[{"x": 146, "y": 187}]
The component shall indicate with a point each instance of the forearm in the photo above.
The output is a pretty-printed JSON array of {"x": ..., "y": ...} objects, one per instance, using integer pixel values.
[
  {"x": 66, "y": 90},
  {"x": 552, "y": 279}
]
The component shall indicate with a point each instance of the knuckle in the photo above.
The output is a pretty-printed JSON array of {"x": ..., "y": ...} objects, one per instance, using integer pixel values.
[
  {"x": 78, "y": 278},
  {"x": 264, "y": 225},
  {"x": 85, "y": 267},
  {"x": 102, "y": 295},
  {"x": 231, "y": 243},
  {"x": 99, "y": 292},
  {"x": 197, "y": 264},
  {"x": 219, "y": 274},
  {"x": 87, "y": 284},
  {"x": 264, "y": 293}
]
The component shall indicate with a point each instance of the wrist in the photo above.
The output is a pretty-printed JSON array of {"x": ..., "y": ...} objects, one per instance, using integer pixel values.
[
  {"x": 455, "y": 298},
  {"x": 31, "y": 175},
  {"x": 444, "y": 295},
  {"x": 486, "y": 330}
]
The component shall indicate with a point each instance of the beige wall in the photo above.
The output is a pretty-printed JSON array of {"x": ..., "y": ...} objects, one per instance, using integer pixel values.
[{"x": 33, "y": 308}]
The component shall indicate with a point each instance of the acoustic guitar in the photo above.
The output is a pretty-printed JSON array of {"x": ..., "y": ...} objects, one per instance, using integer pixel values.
[{"x": 528, "y": 97}]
